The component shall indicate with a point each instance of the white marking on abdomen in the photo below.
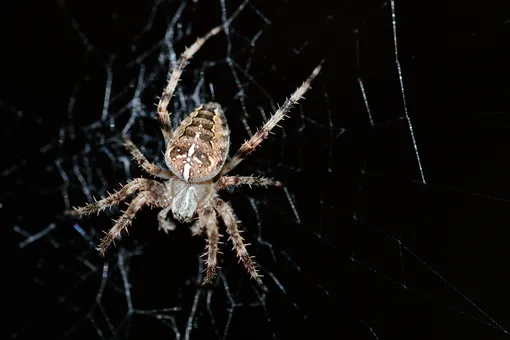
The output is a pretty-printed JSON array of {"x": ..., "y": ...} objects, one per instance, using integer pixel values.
[
  {"x": 191, "y": 150},
  {"x": 185, "y": 173}
]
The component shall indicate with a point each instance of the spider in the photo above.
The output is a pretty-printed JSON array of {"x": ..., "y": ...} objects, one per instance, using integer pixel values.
[{"x": 196, "y": 154}]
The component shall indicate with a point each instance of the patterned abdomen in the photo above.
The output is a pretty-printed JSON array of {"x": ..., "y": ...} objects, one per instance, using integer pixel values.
[{"x": 199, "y": 146}]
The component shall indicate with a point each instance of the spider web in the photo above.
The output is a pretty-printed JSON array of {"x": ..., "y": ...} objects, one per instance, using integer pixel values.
[{"x": 386, "y": 228}]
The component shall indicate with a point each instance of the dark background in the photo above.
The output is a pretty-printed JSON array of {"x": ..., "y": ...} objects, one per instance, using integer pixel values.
[{"x": 381, "y": 250}]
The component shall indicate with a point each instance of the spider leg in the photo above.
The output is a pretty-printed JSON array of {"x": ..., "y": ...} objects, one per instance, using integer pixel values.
[
  {"x": 164, "y": 223},
  {"x": 207, "y": 218},
  {"x": 227, "y": 181},
  {"x": 227, "y": 215},
  {"x": 122, "y": 222},
  {"x": 168, "y": 92},
  {"x": 263, "y": 133},
  {"x": 150, "y": 168},
  {"x": 117, "y": 197}
]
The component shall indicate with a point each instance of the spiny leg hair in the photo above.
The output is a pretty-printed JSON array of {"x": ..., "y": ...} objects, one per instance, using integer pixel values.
[
  {"x": 207, "y": 218},
  {"x": 154, "y": 196},
  {"x": 168, "y": 92},
  {"x": 138, "y": 184},
  {"x": 228, "y": 217},
  {"x": 263, "y": 133},
  {"x": 150, "y": 168},
  {"x": 227, "y": 181},
  {"x": 123, "y": 221}
]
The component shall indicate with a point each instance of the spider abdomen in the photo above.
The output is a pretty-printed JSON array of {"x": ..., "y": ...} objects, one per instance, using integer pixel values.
[{"x": 199, "y": 146}]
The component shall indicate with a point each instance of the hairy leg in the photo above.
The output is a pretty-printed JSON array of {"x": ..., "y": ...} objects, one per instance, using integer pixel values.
[
  {"x": 168, "y": 92},
  {"x": 227, "y": 214},
  {"x": 138, "y": 184},
  {"x": 227, "y": 181},
  {"x": 122, "y": 222},
  {"x": 154, "y": 195},
  {"x": 150, "y": 168},
  {"x": 207, "y": 218},
  {"x": 263, "y": 133}
]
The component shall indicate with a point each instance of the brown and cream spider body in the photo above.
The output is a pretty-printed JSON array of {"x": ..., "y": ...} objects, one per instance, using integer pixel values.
[{"x": 196, "y": 156}]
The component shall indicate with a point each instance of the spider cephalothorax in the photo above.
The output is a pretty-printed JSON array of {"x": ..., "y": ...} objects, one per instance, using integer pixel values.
[{"x": 196, "y": 156}]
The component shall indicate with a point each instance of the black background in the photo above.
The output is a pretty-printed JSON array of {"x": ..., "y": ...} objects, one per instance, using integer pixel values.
[{"x": 379, "y": 253}]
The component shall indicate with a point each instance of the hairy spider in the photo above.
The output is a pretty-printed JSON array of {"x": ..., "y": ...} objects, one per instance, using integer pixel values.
[{"x": 196, "y": 154}]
